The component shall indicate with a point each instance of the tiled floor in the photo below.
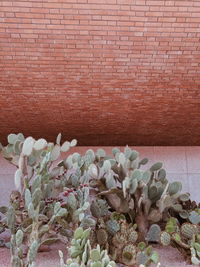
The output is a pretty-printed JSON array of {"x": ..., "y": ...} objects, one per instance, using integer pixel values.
[{"x": 181, "y": 163}]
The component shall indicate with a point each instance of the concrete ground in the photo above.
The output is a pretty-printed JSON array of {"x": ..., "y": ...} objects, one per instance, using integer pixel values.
[{"x": 181, "y": 163}]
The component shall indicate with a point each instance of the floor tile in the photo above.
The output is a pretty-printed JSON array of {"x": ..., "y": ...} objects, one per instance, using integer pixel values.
[
  {"x": 6, "y": 187},
  {"x": 6, "y": 167},
  {"x": 173, "y": 158},
  {"x": 194, "y": 186},
  {"x": 193, "y": 159}
]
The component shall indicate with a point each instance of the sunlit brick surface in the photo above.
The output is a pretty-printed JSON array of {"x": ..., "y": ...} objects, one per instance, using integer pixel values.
[{"x": 104, "y": 71}]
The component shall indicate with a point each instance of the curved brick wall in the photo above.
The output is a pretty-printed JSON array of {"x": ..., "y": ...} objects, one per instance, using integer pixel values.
[{"x": 103, "y": 71}]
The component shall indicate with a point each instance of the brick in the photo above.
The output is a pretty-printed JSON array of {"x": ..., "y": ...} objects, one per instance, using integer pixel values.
[
  {"x": 8, "y": 15},
  {"x": 41, "y": 21},
  {"x": 29, "y": 15},
  {"x": 169, "y": 3},
  {"x": 102, "y": 1},
  {"x": 22, "y": 4},
  {"x": 51, "y": 16},
  {"x": 134, "y": 54},
  {"x": 155, "y": 3},
  {"x": 167, "y": 19},
  {"x": 193, "y": 19},
  {"x": 139, "y": 8},
  {"x": 37, "y": 10},
  {"x": 33, "y": 36},
  {"x": 152, "y": 14}
]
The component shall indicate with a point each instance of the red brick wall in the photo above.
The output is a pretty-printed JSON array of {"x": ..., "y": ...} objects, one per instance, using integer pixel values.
[{"x": 103, "y": 71}]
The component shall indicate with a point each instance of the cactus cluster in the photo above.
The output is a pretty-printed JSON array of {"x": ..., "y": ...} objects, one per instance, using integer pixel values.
[
  {"x": 145, "y": 196},
  {"x": 114, "y": 205},
  {"x": 146, "y": 255},
  {"x": 185, "y": 237},
  {"x": 37, "y": 210},
  {"x": 28, "y": 222},
  {"x": 120, "y": 239},
  {"x": 77, "y": 204},
  {"x": 127, "y": 250}
]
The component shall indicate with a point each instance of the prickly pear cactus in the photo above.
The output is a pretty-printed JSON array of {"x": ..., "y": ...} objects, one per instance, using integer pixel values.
[
  {"x": 129, "y": 255},
  {"x": 153, "y": 234},
  {"x": 112, "y": 226},
  {"x": 130, "y": 186},
  {"x": 99, "y": 208},
  {"x": 184, "y": 237},
  {"x": 83, "y": 255},
  {"x": 146, "y": 255},
  {"x": 165, "y": 238},
  {"x": 188, "y": 230},
  {"x": 113, "y": 201}
]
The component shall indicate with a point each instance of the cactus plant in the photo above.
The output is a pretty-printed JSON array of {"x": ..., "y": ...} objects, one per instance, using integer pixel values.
[
  {"x": 83, "y": 255},
  {"x": 35, "y": 232},
  {"x": 184, "y": 237},
  {"x": 99, "y": 208},
  {"x": 145, "y": 196},
  {"x": 153, "y": 234},
  {"x": 147, "y": 256},
  {"x": 165, "y": 238},
  {"x": 35, "y": 210},
  {"x": 129, "y": 255},
  {"x": 122, "y": 202},
  {"x": 112, "y": 226}
]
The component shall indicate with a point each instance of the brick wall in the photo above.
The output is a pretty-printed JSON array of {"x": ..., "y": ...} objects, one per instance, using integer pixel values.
[{"x": 103, "y": 71}]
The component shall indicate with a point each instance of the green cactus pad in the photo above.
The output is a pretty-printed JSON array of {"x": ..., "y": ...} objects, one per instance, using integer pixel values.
[
  {"x": 174, "y": 188},
  {"x": 184, "y": 197},
  {"x": 112, "y": 226},
  {"x": 19, "y": 237},
  {"x": 102, "y": 236},
  {"x": 165, "y": 238},
  {"x": 134, "y": 155},
  {"x": 99, "y": 208},
  {"x": 132, "y": 236},
  {"x": 155, "y": 167},
  {"x": 188, "y": 230},
  {"x": 162, "y": 174},
  {"x": 95, "y": 255},
  {"x": 153, "y": 234},
  {"x": 129, "y": 255},
  {"x": 194, "y": 217}
]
